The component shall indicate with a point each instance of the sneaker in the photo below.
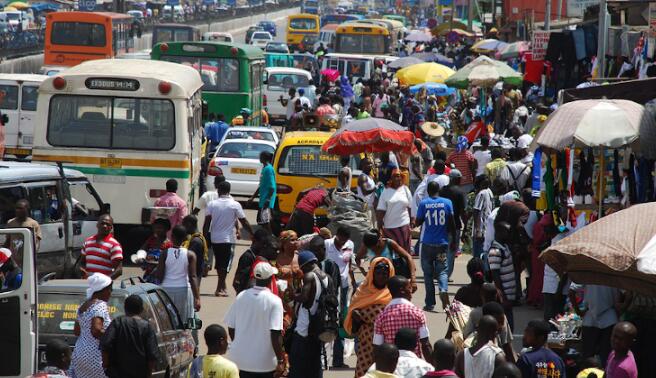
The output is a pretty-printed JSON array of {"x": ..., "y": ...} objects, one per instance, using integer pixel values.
[{"x": 429, "y": 308}]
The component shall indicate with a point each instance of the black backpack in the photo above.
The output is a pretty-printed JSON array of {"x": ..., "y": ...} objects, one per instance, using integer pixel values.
[{"x": 324, "y": 324}]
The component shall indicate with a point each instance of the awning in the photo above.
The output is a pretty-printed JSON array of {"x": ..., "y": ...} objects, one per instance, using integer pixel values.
[
  {"x": 40, "y": 7},
  {"x": 640, "y": 91}
]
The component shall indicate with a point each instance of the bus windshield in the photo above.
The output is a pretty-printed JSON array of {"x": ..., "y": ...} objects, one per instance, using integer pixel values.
[
  {"x": 78, "y": 34},
  {"x": 303, "y": 23},
  {"x": 111, "y": 122},
  {"x": 308, "y": 161},
  {"x": 360, "y": 44},
  {"x": 171, "y": 35},
  {"x": 284, "y": 80},
  {"x": 218, "y": 74}
]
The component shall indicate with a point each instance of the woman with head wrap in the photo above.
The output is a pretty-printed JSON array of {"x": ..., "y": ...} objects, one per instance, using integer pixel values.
[
  {"x": 367, "y": 303},
  {"x": 91, "y": 323},
  {"x": 465, "y": 162}
]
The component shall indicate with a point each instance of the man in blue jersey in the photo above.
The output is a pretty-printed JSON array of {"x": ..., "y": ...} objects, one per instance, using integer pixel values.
[{"x": 435, "y": 215}]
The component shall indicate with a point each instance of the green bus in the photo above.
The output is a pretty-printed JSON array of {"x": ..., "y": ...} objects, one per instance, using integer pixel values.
[
  {"x": 231, "y": 72},
  {"x": 396, "y": 17}
]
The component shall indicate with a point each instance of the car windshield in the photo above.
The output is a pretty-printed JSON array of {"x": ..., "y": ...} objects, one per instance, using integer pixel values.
[
  {"x": 285, "y": 80},
  {"x": 243, "y": 150},
  {"x": 250, "y": 134},
  {"x": 56, "y": 312},
  {"x": 310, "y": 161}
]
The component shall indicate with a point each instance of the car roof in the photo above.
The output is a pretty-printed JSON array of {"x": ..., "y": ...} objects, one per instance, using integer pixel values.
[
  {"x": 246, "y": 140},
  {"x": 251, "y": 128},
  {"x": 263, "y": 32},
  {"x": 80, "y": 286},
  {"x": 12, "y": 171},
  {"x": 288, "y": 70}
]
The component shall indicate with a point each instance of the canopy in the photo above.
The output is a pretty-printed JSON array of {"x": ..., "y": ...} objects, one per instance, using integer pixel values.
[
  {"x": 600, "y": 123},
  {"x": 640, "y": 91},
  {"x": 41, "y": 7},
  {"x": 488, "y": 45},
  {"x": 486, "y": 72},
  {"x": 513, "y": 50},
  {"x": 616, "y": 250},
  {"x": 7, "y": 9},
  {"x": 418, "y": 36},
  {"x": 369, "y": 135},
  {"x": 405, "y": 62},
  {"x": 424, "y": 73},
  {"x": 436, "y": 89},
  {"x": 19, "y": 5}
]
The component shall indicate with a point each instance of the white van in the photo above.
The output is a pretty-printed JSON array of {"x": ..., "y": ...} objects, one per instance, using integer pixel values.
[
  {"x": 218, "y": 37},
  {"x": 277, "y": 82},
  {"x": 13, "y": 18},
  {"x": 21, "y": 92}
]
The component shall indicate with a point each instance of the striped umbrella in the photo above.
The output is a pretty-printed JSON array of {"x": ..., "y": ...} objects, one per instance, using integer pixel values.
[
  {"x": 484, "y": 72},
  {"x": 370, "y": 135}
]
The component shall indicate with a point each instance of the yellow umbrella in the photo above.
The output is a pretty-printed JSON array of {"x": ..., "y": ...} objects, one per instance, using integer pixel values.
[
  {"x": 19, "y": 5},
  {"x": 424, "y": 73},
  {"x": 8, "y": 9}
]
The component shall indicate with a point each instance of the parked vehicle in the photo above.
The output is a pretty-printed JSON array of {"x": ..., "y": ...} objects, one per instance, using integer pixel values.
[
  {"x": 251, "y": 132},
  {"x": 238, "y": 160},
  {"x": 57, "y": 311}
]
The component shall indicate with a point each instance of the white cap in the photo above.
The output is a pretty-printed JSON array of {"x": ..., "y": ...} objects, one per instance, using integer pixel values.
[
  {"x": 264, "y": 271},
  {"x": 97, "y": 282}
]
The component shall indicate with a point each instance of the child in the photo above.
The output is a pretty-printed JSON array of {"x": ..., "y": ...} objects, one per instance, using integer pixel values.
[
  {"x": 214, "y": 364},
  {"x": 501, "y": 264},
  {"x": 539, "y": 362},
  {"x": 58, "y": 357},
  {"x": 154, "y": 245},
  {"x": 621, "y": 363}
]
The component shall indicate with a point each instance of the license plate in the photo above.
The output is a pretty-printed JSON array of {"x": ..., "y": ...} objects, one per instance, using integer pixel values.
[
  {"x": 18, "y": 151},
  {"x": 111, "y": 163},
  {"x": 244, "y": 171}
]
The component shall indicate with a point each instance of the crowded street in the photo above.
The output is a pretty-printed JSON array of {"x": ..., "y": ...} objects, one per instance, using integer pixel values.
[{"x": 327, "y": 188}]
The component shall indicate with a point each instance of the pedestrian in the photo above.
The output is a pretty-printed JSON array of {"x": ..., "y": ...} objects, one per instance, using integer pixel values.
[
  {"x": 493, "y": 308},
  {"x": 220, "y": 221},
  {"x": 261, "y": 245},
  {"x": 289, "y": 103},
  {"x": 369, "y": 300},
  {"x": 471, "y": 294},
  {"x": 305, "y": 353},
  {"x": 173, "y": 200},
  {"x": 394, "y": 211},
  {"x": 494, "y": 168},
  {"x": 345, "y": 176},
  {"x": 215, "y": 129},
  {"x": 516, "y": 174},
  {"x": 402, "y": 313},
  {"x": 367, "y": 187},
  {"x": 213, "y": 364},
  {"x": 540, "y": 361},
  {"x": 502, "y": 268},
  {"x": 480, "y": 360},
  {"x": 408, "y": 365},
  {"x": 339, "y": 250},
  {"x": 302, "y": 219},
  {"x": 22, "y": 220},
  {"x": 196, "y": 243},
  {"x": 177, "y": 271},
  {"x": 444, "y": 359},
  {"x": 256, "y": 314},
  {"x": 435, "y": 215},
  {"x": 458, "y": 196},
  {"x": 373, "y": 245},
  {"x": 483, "y": 206},
  {"x": 208, "y": 196},
  {"x": 58, "y": 360},
  {"x": 598, "y": 319},
  {"x": 101, "y": 253},
  {"x": 621, "y": 363},
  {"x": 483, "y": 155},
  {"x": 266, "y": 191},
  {"x": 386, "y": 358},
  {"x": 305, "y": 102},
  {"x": 154, "y": 245},
  {"x": 129, "y": 345},
  {"x": 464, "y": 161},
  {"x": 90, "y": 325}
]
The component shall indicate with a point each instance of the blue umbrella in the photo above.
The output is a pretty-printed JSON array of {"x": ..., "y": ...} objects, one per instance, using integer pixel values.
[
  {"x": 436, "y": 89},
  {"x": 434, "y": 57}
]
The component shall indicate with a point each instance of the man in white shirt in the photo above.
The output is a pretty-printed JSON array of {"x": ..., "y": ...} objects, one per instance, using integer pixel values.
[
  {"x": 221, "y": 221},
  {"x": 339, "y": 249},
  {"x": 290, "y": 103},
  {"x": 408, "y": 365},
  {"x": 201, "y": 204},
  {"x": 516, "y": 173},
  {"x": 438, "y": 176},
  {"x": 523, "y": 142},
  {"x": 257, "y": 314},
  {"x": 305, "y": 102},
  {"x": 483, "y": 155}
]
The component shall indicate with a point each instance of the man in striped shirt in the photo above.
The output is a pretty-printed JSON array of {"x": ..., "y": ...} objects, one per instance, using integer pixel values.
[
  {"x": 502, "y": 268},
  {"x": 101, "y": 253}
]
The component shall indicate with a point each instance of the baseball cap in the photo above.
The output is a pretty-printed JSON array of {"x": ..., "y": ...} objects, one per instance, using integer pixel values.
[
  {"x": 5, "y": 255},
  {"x": 264, "y": 271},
  {"x": 455, "y": 173},
  {"x": 306, "y": 257}
]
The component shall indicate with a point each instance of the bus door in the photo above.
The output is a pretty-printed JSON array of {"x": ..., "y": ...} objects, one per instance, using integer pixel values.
[
  {"x": 47, "y": 208},
  {"x": 18, "y": 306}
]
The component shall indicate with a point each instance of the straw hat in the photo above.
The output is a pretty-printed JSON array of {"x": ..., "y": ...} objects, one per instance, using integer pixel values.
[{"x": 432, "y": 129}]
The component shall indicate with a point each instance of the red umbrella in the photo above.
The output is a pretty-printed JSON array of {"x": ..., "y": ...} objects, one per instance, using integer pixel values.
[
  {"x": 330, "y": 74},
  {"x": 370, "y": 135}
]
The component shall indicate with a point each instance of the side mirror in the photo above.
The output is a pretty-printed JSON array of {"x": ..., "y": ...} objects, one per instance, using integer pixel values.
[
  {"x": 205, "y": 110},
  {"x": 106, "y": 208},
  {"x": 194, "y": 324}
]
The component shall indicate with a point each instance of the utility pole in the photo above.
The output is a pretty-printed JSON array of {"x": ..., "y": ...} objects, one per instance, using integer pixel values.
[
  {"x": 560, "y": 9},
  {"x": 470, "y": 15},
  {"x": 602, "y": 38},
  {"x": 547, "y": 15}
]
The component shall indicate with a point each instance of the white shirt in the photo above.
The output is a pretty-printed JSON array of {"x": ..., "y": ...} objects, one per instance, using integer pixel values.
[
  {"x": 341, "y": 257},
  {"x": 176, "y": 273},
  {"x": 524, "y": 141},
  {"x": 515, "y": 174},
  {"x": 369, "y": 184},
  {"x": 206, "y": 198},
  {"x": 489, "y": 230},
  {"x": 482, "y": 157},
  {"x": 409, "y": 365},
  {"x": 305, "y": 102},
  {"x": 395, "y": 203},
  {"x": 254, "y": 314},
  {"x": 422, "y": 189},
  {"x": 291, "y": 107},
  {"x": 225, "y": 211},
  {"x": 303, "y": 319}
]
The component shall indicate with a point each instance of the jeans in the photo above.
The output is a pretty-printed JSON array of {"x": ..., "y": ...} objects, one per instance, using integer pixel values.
[
  {"x": 305, "y": 357},
  {"x": 338, "y": 344},
  {"x": 596, "y": 341},
  {"x": 477, "y": 247},
  {"x": 451, "y": 255},
  {"x": 433, "y": 263}
]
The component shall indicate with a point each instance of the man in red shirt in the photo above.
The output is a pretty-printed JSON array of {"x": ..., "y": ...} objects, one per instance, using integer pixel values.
[
  {"x": 465, "y": 162},
  {"x": 101, "y": 253},
  {"x": 302, "y": 219}
]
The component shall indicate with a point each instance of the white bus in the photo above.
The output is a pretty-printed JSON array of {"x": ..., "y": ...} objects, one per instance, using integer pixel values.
[{"x": 129, "y": 125}]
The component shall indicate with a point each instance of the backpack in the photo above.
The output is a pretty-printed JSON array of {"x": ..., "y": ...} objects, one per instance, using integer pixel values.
[{"x": 324, "y": 324}]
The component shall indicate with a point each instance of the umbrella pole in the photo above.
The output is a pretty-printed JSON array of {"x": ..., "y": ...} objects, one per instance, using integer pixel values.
[{"x": 600, "y": 195}]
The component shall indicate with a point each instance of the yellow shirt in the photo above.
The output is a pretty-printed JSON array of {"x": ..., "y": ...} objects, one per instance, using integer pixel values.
[
  {"x": 217, "y": 366},
  {"x": 379, "y": 374},
  {"x": 493, "y": 168}
]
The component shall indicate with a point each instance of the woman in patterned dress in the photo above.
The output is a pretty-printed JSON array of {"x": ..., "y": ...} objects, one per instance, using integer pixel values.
[
  {"x": 368, "y": 301},
  {"x": 92, "y": 321}
]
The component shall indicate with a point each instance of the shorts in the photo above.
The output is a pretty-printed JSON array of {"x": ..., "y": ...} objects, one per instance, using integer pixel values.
[
  {"x": 223, "y": 253},
  {"x": 264, "y": 215}
]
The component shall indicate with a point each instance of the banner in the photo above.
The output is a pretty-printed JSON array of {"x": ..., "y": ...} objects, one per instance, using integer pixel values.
[
  {"x": 651, "y": 37},
  {"x": 539, "y": 44}
]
